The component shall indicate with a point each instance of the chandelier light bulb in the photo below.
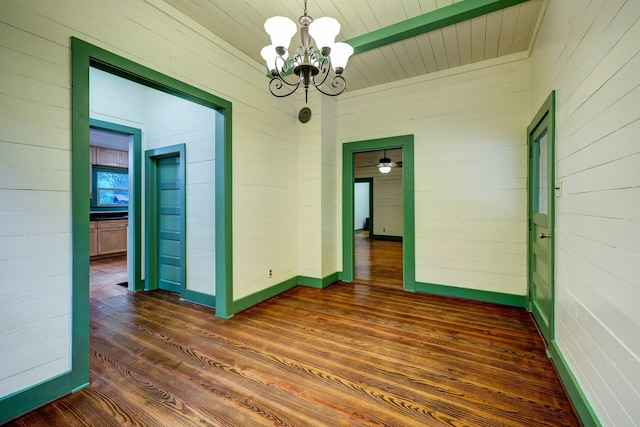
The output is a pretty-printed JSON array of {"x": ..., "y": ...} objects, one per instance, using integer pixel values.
[
  {"x": 340, "y": 53},
  {"x": 270, "y": 56},
  {"x": 280, "y": 29},
  {"x": 324, "y": 31}
]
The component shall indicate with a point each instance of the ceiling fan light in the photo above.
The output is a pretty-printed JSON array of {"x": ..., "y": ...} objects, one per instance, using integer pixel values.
[
  {"x": 324, "y": 31},
  {"x": 340, "y": 53},
  {"x": 384, "y": 168},
  {"x": 280, "y": 29}
]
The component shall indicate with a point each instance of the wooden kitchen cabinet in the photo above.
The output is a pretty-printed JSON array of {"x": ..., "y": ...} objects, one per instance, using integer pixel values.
[
  {"x": 111, "y": 237},
  {"x": 110, "y": 157},
  {"x": 93, "y": 238}
]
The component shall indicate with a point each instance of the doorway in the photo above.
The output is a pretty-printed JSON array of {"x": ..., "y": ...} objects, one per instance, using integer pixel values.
[
  {"x": 115, "y": 213},
  {"x": 541, "y": 208},
  {"x": 84, "y": 56},
  {"x": 406, "y": 260},
  {"x": 165, "y": 219}
]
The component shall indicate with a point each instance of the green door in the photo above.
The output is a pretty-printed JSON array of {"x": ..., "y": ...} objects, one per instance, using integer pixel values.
[
  {"x": 170, "y": 224},
  {"x": 541, "y": 207}
]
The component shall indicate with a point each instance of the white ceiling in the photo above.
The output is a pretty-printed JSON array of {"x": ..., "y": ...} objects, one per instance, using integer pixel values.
[
  {"x": 107, "y": 139},
  {"x": 499, "y": 33}
]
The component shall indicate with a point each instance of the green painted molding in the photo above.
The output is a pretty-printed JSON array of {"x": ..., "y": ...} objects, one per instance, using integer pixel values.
[
  {"x": 263, "y": 295},
  {"x": 578, "y": 399},
  {"x": 19, "y": 403},
  {"x": 199, "y": 298},
  {"x": 406, "y": 142},
  {"x": 473, "y": 294},
  {"x": 434, "y": 20},
  {"x": 314, "y": 282}
]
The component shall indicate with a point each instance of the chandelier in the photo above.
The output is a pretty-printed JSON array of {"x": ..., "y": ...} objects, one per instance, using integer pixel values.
[{"x": 310, "y": 66}]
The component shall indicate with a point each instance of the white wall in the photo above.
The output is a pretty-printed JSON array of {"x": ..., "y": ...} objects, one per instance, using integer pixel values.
[
  {"x": 360, "y": 204},
  {"x": 35, "y": 158},
  {"x": 589, "y": 52},
  {"x": 387, "y": 191},
  {"x": 470, "y": 167}
]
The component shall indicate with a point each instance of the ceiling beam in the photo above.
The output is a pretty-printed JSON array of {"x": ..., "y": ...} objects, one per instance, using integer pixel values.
[{"x": 439, "y": 18}]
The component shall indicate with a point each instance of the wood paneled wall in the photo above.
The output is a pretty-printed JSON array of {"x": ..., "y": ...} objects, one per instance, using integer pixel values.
[
  {"x": 470, "y": 167},
  {"x": 589, "y": 53},
  {"x": 35, "y": 158}
]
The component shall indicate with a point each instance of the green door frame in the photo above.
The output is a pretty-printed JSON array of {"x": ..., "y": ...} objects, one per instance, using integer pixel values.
[
  {"x": 546, "y": 114},
  {"x": 151, "y": 214},
  {"x": 408, "y": 211},
  {"x": 84, "y": 56},
  {"x": 134, "y": 230}
]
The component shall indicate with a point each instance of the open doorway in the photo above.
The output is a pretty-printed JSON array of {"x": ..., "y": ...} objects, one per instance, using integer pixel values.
[
  {"x": 86, "y": 57},
  {"x": 378, "y": 218},
  {"x": 366, "y": 254},
  {"x": 115, "y": 264}
]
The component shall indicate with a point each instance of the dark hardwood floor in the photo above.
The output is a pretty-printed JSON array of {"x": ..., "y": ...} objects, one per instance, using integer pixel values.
[
  {"x": 377, "y": 262},
  {"x": 349, "y": 355}
]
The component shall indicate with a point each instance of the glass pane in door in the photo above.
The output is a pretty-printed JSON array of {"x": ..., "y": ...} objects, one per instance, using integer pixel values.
[{"x": 542, "y": 199}]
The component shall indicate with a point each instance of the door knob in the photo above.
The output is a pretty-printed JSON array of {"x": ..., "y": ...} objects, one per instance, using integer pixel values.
[{"x": 544, "y": 235}]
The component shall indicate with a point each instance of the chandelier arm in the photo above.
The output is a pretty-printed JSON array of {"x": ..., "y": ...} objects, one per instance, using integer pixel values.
[
  {"x": 324, "y": 65},
  {"x": 337, "y": 82},
  {"x": 278, "y": 89}
]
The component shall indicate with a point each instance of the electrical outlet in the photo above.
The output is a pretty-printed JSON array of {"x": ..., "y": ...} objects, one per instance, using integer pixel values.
[{"x": 270, "y": 273}]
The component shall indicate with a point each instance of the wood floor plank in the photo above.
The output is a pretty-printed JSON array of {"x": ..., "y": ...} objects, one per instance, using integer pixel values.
[{"x": 348, "y": 355}]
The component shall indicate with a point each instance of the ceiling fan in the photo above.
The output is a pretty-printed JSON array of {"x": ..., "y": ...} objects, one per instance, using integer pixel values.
[{"x": 385, "y": 164}]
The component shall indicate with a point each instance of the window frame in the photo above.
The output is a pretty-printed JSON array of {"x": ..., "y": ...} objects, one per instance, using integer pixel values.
[{"x": 95, "y": 190}]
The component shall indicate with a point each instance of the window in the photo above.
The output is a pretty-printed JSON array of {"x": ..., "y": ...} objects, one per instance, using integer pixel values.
[{"x": 111, "y": 189}]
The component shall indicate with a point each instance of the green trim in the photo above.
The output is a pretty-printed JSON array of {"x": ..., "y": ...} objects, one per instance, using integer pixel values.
[
  {"x": 314, "y": 282},
  {"x": 151, "y": 212},
  {"x": 547, "y": 112},
  {"x": 19, "y": 403},
  {"x": 80, "y": 62},
  {"x": 83, "y": 56},
  {"x": 473, "y": 294},
  {"x": 270, "y": 292},
  {"x": 223, "y": 223},
  {"x": 435, "y": 20},
  {"x": 408, "y": 212},
  {"x": 135, "y": 199},
  {"x": 199, "y": 298},
  {"x": 578, "y": 399}
]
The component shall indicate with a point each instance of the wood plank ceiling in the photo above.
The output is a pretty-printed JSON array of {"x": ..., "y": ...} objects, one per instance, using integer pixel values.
[{"x": 488, "y": 35}]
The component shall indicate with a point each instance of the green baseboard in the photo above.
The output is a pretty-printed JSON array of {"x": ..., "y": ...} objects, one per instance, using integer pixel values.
[
  {"x": 265, "y": 294},
  {"x": 314, "y": 282},
  {"x": 472, "y": 294},
  {"x": 578, "y": 399},
  {"x": 21, "y": 402},
  {"x": 199, "y": 298}
]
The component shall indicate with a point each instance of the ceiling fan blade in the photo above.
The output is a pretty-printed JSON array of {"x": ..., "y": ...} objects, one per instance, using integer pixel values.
[{"x": 396, "y": 164}]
